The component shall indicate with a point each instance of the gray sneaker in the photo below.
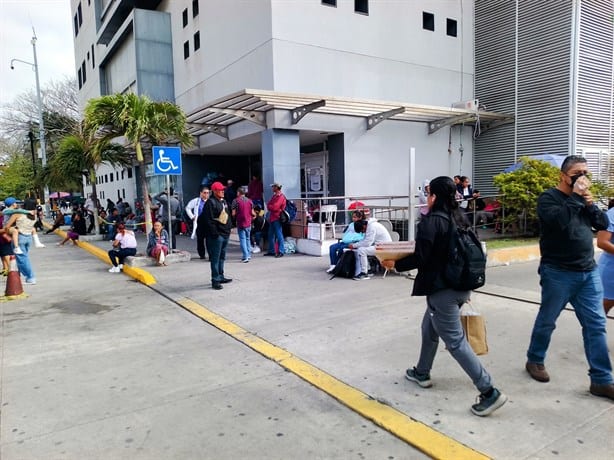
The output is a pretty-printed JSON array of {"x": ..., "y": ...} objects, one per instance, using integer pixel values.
[
  {"x": 424, "y": 380},
  {"x": 361, "y": 277},
  {"x": 487, "y": 405}
]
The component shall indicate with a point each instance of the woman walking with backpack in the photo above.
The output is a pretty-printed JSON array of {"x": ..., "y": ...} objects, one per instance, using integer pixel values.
[{"x": 442, "y": 316}]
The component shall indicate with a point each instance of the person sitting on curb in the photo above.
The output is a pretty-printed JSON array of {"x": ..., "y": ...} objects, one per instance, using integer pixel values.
[
  {"x": 375, "y": 233},
  {"x": 353, "y": 233},
  {"x": 124, "y": 245},
  {"x": 77, "y": 228},
  {"x": 157, "y": 243}
]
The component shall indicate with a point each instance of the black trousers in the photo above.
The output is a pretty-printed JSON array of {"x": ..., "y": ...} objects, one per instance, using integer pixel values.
[{"x": 200, "y": 241}]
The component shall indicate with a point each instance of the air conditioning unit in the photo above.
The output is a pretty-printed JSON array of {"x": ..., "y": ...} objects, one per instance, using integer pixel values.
[{"x": 472, "y": 105}]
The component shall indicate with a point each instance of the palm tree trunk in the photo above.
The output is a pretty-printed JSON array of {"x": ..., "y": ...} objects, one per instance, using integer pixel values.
[
  {"x": 95, "y": 199},
  {"x": 142, "y": 181}
]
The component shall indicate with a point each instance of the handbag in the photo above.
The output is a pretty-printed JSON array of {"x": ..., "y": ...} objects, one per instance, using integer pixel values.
[
  {"x": 223, "y": 217},
  {"x": 475, "y": 328},
  {"x": 284, "y": 217}
]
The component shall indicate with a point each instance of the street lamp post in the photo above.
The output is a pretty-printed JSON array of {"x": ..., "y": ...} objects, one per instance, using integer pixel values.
[{"x": 41, "y": 124}]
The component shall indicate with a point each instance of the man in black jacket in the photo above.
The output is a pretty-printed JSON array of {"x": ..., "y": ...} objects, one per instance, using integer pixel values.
[
  {"x": 568, "y": 273},
  {"x": 216, "y": 217}
]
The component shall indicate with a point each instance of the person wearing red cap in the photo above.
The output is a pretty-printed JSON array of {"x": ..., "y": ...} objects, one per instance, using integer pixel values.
[{"x": 218, "y": 224}]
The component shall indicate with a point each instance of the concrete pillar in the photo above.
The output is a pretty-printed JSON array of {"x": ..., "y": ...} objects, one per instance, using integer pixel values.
[{"x": 281, "y": 162}]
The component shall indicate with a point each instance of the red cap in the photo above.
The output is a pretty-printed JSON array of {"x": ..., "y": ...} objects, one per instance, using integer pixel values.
[{"x": 217, "y": 186}]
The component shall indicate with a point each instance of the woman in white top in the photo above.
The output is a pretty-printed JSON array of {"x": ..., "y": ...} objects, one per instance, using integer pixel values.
[{"x": 124, "y": 245}]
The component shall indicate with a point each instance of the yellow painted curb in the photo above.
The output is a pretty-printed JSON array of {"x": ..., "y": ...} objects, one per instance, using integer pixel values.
[
  {"x": 415, "y": 433},
  {"x": 142, "y": 276}
]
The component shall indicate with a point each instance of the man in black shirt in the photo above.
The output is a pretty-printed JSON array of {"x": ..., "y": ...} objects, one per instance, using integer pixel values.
[
  {"x": 217, "y": 230},
  {"x": 569, "y": 273}
]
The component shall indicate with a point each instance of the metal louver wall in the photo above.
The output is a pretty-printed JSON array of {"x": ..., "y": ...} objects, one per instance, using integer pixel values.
[
  {"x": 595, "y": 87},
  {"x": 494, "y": 47}
]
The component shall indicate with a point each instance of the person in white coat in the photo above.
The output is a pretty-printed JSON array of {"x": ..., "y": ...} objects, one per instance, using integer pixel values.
[
  {"x": 375, "y": 233},
  {"x": 193, "y": 209}
]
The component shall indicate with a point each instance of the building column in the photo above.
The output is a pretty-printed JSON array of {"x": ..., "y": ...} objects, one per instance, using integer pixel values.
[{"x": 281, "y": 161}]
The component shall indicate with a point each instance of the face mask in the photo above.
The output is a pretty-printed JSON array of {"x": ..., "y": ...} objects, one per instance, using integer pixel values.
[{"x": 575, "y": 178}]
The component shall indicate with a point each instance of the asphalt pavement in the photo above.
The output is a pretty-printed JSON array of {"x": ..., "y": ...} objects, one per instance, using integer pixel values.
[{"x": 96, "y": 365}]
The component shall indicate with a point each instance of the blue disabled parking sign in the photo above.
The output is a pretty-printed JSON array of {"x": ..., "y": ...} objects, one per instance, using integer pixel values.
[{"x": 167, "y": 160}]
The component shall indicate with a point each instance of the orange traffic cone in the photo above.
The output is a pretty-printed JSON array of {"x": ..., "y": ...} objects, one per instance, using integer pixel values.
[{"x": 14, "y": 290}]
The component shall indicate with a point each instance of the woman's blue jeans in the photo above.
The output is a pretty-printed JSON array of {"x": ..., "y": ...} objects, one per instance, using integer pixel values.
[
  {"x": 275, "y": 233},
  {"x": 442, "y": 320},
  {"x": 335, "y": 251},
  {"x": 23, "y": 260},
  {"x": 216, "y": 247},
  {"x": 585, "y": 292},
  {"x": 244, "y": 241}
]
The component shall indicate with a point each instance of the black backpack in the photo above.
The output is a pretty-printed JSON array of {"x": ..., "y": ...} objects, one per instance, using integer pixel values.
[
  {"x": 346, "y": 265},
  {"x": 466, "y": 267}
]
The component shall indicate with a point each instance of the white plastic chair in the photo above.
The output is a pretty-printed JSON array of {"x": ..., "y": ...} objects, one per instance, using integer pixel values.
[{"x": 328, "y": 215}]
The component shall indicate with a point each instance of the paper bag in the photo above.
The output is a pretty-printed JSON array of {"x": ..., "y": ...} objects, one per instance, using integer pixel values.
[{"x": 475, "y": 329}]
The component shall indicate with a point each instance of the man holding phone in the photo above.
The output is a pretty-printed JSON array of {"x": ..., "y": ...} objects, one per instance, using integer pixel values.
[{"x": 568, "y": 273}]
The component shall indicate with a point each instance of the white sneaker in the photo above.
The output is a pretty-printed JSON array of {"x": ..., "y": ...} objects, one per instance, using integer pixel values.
[
  {"x": 17, "y": 250},
  {"x": 120, "y": 266},
  {"x": 39, "y": 245},
  {"x": 256, "y": 249},
  {"x": 114, "y": 270},
  {"x": 330, "y": 269}
]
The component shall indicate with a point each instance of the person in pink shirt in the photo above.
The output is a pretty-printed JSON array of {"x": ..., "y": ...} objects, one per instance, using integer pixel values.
[
  {"x": 243, "y": 212},
  {"x": 275, "y": 206}
]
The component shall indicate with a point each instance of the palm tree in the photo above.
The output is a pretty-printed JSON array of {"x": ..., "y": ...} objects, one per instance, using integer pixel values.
[
  {"x": 79, "y": 154},
  {"x": 140, "y": 120}
]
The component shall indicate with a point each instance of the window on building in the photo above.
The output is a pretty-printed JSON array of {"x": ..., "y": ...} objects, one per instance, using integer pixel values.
[
  {"x": 79, "y": 78},
  {"x": 111, "y": 177},
  {"x": 329, "y": 2},
  {"x": 428, "y": 21},
  {"x": 451, "y": 27},
  {"x": 93, "y": 60},
  {"x": 361, "y": 6},
  {"x": 123, "y": 174},
  {"x": 76, "y": 24},
  {"x": 106, "y": 178},
  {"x": 123, "y": 193},
  {"x": 116, "y": 175},
  {"x": 129, "y": 173},
  {"x": 88, "y": 55},
  {"x": 197, "y": 41},
  {"x": 80, "y": 14},
  {"x": 194, "y": 8},
  {"x": 185, "y": 17},
  {"x": 83, "y": 72},
  {"x": 186, "y": 50}
]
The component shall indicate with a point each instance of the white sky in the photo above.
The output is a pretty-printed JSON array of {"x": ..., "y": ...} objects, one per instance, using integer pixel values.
[{"x": 54, "y": 48}]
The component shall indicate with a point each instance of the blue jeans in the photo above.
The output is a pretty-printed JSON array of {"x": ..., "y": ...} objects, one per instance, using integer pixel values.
[
  {"x": 216, "y": 247},
  {"x": 335, "y": 251},
  {"x": 275, "y": 233},
  {"x": 442, "y": 320},
  {"x": 244, "y": 241},
  {"x": 23, "y": 260},
  {"x": 584, "y": 291},
  {"x": 117, "y": 256}
]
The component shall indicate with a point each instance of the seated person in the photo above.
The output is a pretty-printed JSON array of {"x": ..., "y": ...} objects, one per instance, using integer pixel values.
[
  {"x": 57, "y": 223},
  {"x": 259, "y": 225},
  {"x": 375, "y": 233},
  {"x": 77, "y": 228},
  {"x": 353, "y": 233},
  {"x": 488, "y": 213},
  {"x": 157, "y": 243},
  {"x": 124, "y": 245}
]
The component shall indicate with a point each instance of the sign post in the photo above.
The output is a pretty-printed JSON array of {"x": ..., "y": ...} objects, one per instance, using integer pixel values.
[{"x": 167, "y": 161}]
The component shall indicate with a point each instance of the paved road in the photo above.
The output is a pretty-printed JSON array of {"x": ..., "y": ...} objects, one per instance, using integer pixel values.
[{"x": 95, "y": 365}]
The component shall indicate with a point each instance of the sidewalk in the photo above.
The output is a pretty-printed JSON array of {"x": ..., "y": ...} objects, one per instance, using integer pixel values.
[{"x": 367, "y": 333}]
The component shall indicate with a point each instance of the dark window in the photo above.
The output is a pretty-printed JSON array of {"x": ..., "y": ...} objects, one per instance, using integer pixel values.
[
  {"x": 116, "y": 175},
  {"x": 106, "y": 178},
  {"x": 83, "y": 72},
  {"x": 123, "y": 174},
  {"x": 329, "y": 2},
  {"x": 196, "y": 41},
  {"x": 80, "y": 14},
  {"x": 93, "y": 60},
  {"x": 79, "y": 78},
  {"x": 451, "y": 27},
  {"x": 129, "y": 173},
  {"x": 88, "y": 55},
  {"x": 123, "y": 193},
  {"x": 185, "y": 17},
  {"x": 194, "y": 8},
  {"x": 361, "y": 6},
  {"x": 428, "y": 21},
  {"x": 76, "y": 25},
  {"x": 111, "y": 177},
  {"x": 186, "y": 50}
]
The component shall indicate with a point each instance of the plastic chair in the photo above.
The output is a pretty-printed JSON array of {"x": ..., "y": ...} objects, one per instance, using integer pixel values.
[{"x": 328, "y": 215}]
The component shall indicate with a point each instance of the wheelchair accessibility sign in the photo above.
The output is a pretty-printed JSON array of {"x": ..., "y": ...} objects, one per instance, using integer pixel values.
[{"x": 167, "y": 160}]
